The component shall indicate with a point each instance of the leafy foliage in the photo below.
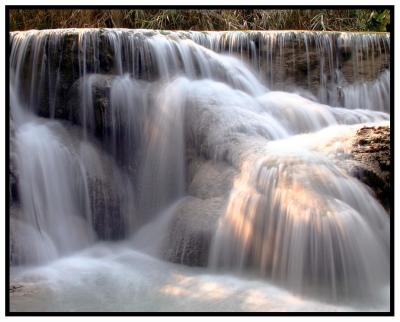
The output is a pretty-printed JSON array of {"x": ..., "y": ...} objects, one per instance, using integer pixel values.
[{"x": 379, "y": 20}]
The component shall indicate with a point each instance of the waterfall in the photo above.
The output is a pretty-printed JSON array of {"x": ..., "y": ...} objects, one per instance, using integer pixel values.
[
  {"x": 294, "y": 217},
  {"x": 221, "y": 149}
]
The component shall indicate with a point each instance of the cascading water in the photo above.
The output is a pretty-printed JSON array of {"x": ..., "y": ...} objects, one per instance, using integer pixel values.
[{"x": 188, "y": 147}]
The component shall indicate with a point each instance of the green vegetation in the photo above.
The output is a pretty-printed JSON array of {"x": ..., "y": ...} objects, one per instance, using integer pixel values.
[
  {"x": 379, "y": 20},
  {"x": 182, "y": 19}
]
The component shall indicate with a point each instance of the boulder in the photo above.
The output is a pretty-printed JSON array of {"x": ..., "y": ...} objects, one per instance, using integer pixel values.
[
  {"x": 109, "y": 190},
  {"x": 209, "y": 179},
  {"x": 371, "y": 150},
  {"x": 110, "y": 215},
  {"x": 192, "y": 230},
  {"x": 107, "y": 186},
  {"x": 195, "y": 221}
]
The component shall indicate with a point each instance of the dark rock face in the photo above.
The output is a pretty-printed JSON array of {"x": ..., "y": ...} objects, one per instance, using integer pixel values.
[
  {"x": 13, "y": 214},
  {"x": 312, "y": 60},
  {"x": 53, "y": 62},
  {"x": 371, "y": 149},
  {"x": 13, "y": 172},
  {"x": 99, "y": 91},
  {"x": 106, "y": 196},
  {"x": 108, "y": 220}
]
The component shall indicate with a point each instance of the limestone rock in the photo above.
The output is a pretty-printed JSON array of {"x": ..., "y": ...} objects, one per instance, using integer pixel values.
[
  {"x": 192, "y": 230},
  {"x": 97, "y": 90},
  {"x": 371, "y": 149},
  {"x": 196, "y": 218}
]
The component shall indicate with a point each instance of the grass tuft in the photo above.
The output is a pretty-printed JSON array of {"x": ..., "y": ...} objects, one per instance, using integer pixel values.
[{"x": 217, "y": 19}]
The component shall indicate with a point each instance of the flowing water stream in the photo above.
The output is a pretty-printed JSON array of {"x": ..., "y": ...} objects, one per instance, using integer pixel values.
[{"x": 195, "y": 171}]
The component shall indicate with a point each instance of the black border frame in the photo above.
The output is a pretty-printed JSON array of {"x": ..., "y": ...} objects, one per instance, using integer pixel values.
[{"x": 300, "y": 7}]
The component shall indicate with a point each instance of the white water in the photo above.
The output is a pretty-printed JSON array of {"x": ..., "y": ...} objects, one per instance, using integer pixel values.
[
  {"x": 296, "y": 218},
  {"x": 119, "y": 278},
  {"x": 293, "y": 217}
]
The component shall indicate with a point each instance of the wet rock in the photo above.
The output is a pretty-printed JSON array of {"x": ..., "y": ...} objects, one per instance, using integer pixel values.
[
  {"x": 195, "y": 221},
  {"x": 371, "y": 150},
  {"x": 192, "y": 230},
  {"x": 314, "y": 61},
  {"x": 209, "y": 179},
  {"x": 307, "y": 60},
  {"x": 13, "y": 171},
  {"x": 54, "y": 61},
  {"x": 108, "y": 191},
  {"x": 105, "y": 184},
  {"x": 95, "y": 88},
  {"x": 108, "y": 220}
]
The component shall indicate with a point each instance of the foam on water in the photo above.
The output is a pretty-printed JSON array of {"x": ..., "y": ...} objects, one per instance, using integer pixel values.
[{"x": 119, "y": 278}]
